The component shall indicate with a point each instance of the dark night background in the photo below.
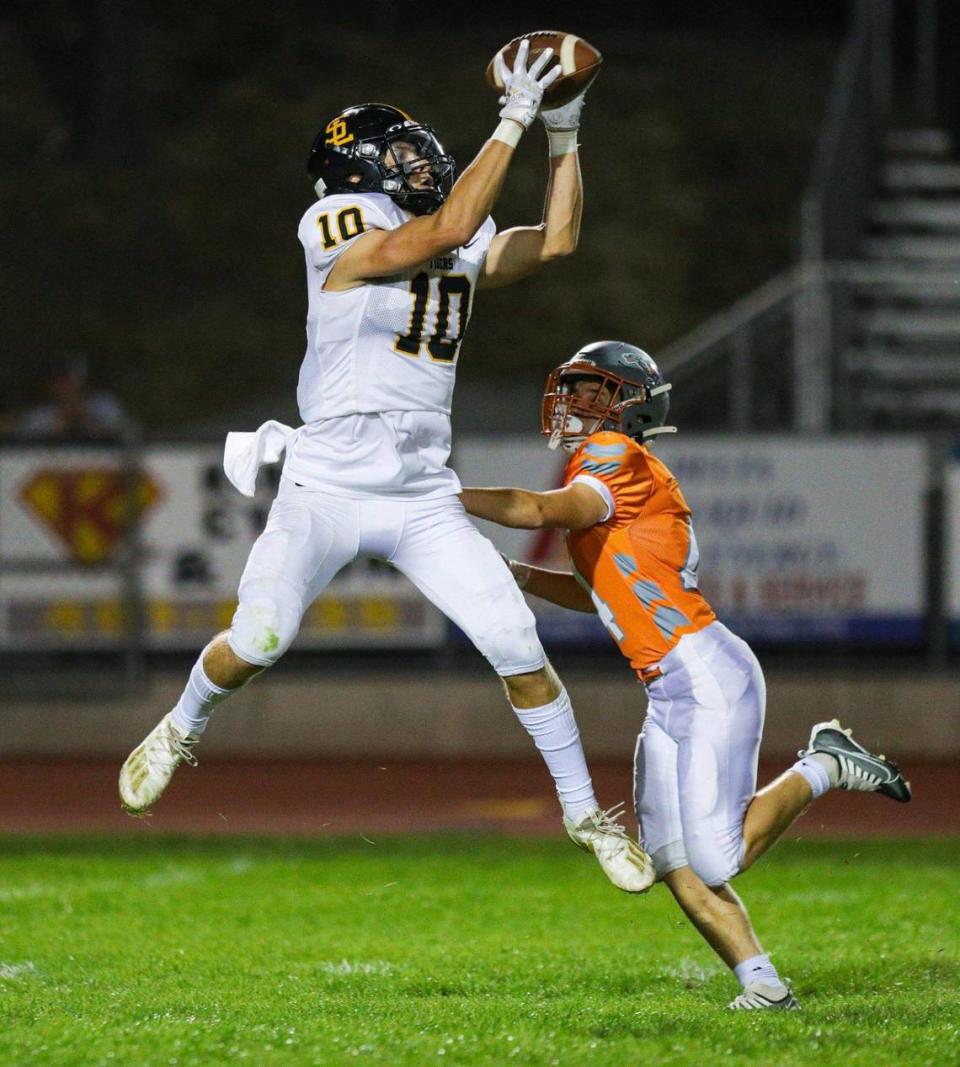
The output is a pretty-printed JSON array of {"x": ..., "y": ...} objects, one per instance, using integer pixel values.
[{"x": 153, "y": 178}]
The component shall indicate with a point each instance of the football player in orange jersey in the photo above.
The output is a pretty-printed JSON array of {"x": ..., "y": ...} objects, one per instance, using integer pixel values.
[{"x": 635, "y": 562}]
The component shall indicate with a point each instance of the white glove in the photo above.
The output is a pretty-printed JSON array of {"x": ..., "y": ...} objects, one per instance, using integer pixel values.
[
  {"x": 564, "y": 119},
  {"x": 522, "y": 88}
]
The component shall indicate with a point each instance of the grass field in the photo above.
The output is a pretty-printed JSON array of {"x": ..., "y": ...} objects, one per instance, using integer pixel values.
[{"x": 154, "y": 950}]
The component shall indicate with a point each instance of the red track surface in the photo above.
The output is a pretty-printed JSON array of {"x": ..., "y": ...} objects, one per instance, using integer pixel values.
[{"x": 327, "y": 798}]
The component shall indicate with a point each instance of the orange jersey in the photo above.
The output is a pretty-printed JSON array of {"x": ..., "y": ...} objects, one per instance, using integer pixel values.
[{"x": 640, "y": 564}]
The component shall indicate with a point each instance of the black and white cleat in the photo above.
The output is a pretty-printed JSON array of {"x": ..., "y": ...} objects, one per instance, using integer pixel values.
[{"x": 860, "y": 770}]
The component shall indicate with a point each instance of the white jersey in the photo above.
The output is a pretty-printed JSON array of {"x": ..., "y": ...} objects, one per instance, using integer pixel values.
[{"x": 376, "y": 384}]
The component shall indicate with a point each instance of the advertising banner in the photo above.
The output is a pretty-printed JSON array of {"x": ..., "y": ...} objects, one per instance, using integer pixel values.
[
  {"x": 68, "y": 579},
  {"x": 801, "y": 540}
]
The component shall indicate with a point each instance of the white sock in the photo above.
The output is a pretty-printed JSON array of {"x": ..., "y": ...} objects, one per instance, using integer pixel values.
[
  {"x": 821, "y": 771},
  {"x": 196, "y": 704},
  {"x": 757, "y": 969},
  {"x": 554, "y": 732}
]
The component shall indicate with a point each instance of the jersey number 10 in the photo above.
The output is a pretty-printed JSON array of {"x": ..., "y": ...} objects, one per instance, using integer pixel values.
[{"x": 442, "y": 345}]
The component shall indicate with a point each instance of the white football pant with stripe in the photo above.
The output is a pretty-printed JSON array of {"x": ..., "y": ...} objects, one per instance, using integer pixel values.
[{"x": 696, "y": 757}]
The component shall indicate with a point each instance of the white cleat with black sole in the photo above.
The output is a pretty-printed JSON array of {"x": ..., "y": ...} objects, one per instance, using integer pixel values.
[
  {"x": 766, "y": 996},
  {"x": 150, "y": 766},
  {"x": 860, "y": 770},
  {"x": 623, "y": 861}
]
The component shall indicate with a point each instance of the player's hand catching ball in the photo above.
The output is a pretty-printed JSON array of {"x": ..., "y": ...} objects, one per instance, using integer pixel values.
[
  {"x": 523, "y": 89},
  {"x": 564, "y": 119}
]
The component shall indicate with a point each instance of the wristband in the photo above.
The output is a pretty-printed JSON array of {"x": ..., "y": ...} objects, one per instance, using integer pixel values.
[
  {"x": 562, "y": 142},
  {"x": 509, "y": 132}
]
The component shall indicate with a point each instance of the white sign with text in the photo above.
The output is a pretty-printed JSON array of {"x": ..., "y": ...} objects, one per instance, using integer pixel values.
[{"x": 800, "y": 539}]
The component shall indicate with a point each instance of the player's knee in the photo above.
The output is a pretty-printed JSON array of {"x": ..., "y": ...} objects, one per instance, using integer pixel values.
[
  {"x": 714, "y": 857},
  {"x": 265, "y": 623},
  {"x": 514, "y": 648}
]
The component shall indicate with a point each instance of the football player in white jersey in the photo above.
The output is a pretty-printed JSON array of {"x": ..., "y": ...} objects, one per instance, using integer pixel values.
[{"x": 395, "y": 252}]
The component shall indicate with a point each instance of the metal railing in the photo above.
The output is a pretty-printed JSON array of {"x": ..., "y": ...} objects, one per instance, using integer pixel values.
[
  {"x": 858, "y": 110},
  {"x": 741, "y": 337},
  {"x": 835, "y": 205},
  {"x": 762, "y": 343},
  {"x": 796, "y": 307}
]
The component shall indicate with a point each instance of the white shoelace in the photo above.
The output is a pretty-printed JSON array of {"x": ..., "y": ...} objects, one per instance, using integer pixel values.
[
  {"x": 170, "y": 743},
  {"x": 606, "y": 821},
  {"x": 183, "y": 748}
]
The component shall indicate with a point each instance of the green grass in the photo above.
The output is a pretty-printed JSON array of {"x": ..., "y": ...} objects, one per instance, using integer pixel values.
[{"x": 459, "y": 950}]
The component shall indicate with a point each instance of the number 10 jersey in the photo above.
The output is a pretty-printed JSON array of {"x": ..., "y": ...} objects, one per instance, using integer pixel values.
[{"x": 389, "y": 345}]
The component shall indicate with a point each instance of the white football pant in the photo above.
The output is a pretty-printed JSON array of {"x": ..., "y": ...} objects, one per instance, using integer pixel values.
[
  {"x": 310, "y": 535},
  {"x": 695, "y": 769}
]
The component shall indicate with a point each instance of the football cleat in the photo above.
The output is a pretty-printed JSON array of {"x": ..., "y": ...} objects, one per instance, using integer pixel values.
[
  {"x": 623, "y": 861},
  {"x": 860, "y": 770},
  {"x": 150, "y": 766},
  {"x": 765, "y": 996}
]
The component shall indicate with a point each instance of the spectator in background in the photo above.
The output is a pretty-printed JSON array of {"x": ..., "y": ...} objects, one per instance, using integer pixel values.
[{"x": 73, "y": 410}]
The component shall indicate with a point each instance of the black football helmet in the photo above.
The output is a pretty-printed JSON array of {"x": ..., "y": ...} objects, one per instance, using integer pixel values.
[
  {"x": 355, "y": 142},
  {"x": 636, "y": 402}
]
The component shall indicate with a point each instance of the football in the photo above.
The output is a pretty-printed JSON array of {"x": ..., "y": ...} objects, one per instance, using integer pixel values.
[{"x": 579, "y": 61}]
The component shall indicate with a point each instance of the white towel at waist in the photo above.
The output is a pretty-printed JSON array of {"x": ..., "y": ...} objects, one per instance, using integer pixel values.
[{"x": 245, "y": 453}]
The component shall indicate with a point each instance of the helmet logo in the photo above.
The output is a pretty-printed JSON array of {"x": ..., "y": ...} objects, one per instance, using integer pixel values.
[
  {"x": 337, "y": 134},
  {"x": 631, "y": 359}
]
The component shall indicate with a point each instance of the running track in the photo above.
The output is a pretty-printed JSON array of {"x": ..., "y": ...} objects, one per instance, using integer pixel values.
[{"x": 352, "y": 798}]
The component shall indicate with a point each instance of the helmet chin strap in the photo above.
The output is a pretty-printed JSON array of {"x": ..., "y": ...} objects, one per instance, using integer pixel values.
[
  {"x": 568, "y": 431},
  {"x": 320, "y": 187},
  {"x": 654, "y": 430},
  {"x": 569, "y": 444}
]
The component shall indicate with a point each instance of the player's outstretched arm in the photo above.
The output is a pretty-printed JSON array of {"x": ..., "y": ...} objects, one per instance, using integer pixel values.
[
  {"x": 574, "y": 507},
  {"x": 381, "y": 253},
  {"x": 517, "y": 253},
  {"x": 559, "y": 587}
]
